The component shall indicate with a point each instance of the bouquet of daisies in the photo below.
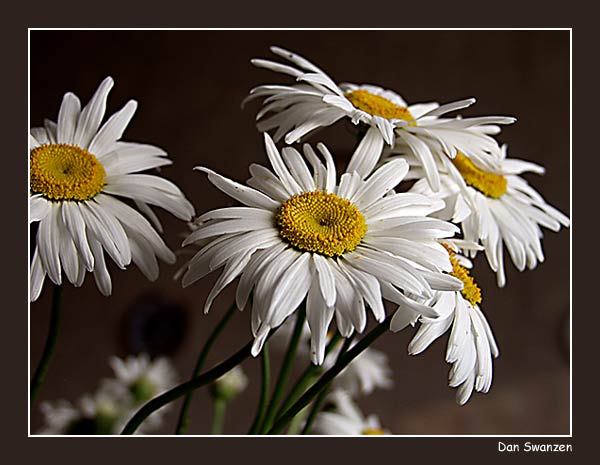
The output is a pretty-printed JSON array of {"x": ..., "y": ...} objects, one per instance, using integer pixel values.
[{"x": 318, "y": 252}]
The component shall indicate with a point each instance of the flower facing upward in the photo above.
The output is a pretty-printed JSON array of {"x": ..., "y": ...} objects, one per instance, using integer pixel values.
[
  {"x": 301, "y": 235},
  {"x": 78, "y": 168},
  {"x": 495, "y": 207},
  {"x": 317, "y": 101},
  {"x": 471, "y": 344}
]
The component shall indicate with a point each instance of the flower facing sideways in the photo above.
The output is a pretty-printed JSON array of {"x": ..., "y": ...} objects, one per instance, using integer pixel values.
[
  {"x": 316, "y": 101},
  {"x": 78, "y": 171},
  {"x": 471, "y": 344},
  {"x": 495, "y": 207},
  {"x": 301, "y": 235}
]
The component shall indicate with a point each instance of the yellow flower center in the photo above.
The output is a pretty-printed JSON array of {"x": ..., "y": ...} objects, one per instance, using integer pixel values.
[
  {"x": 490, "y": 184},
  {"x": 372, "y": 432},
  {"x": 65, "y": 172},
  {"x": 471, "y": 291},
  {"x": 377, "y": 105},
  {"x": 320, "y": 222}
]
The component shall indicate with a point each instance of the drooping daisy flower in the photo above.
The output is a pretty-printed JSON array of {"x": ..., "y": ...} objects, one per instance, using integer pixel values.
[
  {"x": 78, "y": 171},
  {"x": 495, "y": 207},
  {"x": 471, "y": 344},
  {"x": 317, "y": 101},
  {"x": 346, "y": 419},
  {"x": 301, "y": 235}
]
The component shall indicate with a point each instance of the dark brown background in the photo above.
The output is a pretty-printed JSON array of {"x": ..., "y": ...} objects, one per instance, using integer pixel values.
[{"x": 189, "y": 86}]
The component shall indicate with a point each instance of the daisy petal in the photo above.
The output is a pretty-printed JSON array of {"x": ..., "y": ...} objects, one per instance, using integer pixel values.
[
  {"x": 113, "y": 129},
  {"x": 67, "y": 118},
  {"x": 91, "y": 116}
]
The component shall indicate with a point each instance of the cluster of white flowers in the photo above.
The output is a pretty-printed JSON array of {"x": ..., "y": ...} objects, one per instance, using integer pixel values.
[
  {"x": 454, "y": 160},
  {"x": 340, "y": 245},
  {"x": 136, "y": 380}
]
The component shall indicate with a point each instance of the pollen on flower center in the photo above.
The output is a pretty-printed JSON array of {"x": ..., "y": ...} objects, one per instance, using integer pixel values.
[
  {"x": 372, "y": 432},
  {"x": 377, "y": 105},
  {"x": 470, "y": 291},
  {"x": 65, "y": 172},
  {"x": 490, "y": 184},
  {"x": 320, "y": 222}
]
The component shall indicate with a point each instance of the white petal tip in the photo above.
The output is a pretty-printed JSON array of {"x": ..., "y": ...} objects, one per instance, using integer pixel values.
[{"x": 289, "y": 140}]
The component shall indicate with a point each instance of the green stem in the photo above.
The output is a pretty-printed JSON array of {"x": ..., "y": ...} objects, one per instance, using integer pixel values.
[
  {"x": 296, "y": 423},
  {"x": 284, "y": 373},
  {"x": 184, "y": 419},
  {"x": 318, "y": 403},
  {"x": 44, "y": 364},
  {"x": 264, "y": 393},
  {"x": 316, "y": 407},
  {"x": 184, "y": 388},
  {"x": 344, "y": 360},
  {"x": 306, "y": 379},
  {"x": 219, "y": 415}
]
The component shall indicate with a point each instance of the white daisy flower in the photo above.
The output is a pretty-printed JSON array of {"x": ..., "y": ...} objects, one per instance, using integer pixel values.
[
  {"x": 78, "y": 169},
  {"x": 143, "y": 377},
  {"x": 495, "y": 207},
  {"x": 317, "y": 101},
  {"x": 471, "y": 345},
  {"x": 301, "y": 235},
  {"x": 368, "y": 371},
  {"x": 58, "y": 416},
  {"x": 346, "y": 419},
  {"x": 94, "y": 414},
  {"x": 230, "y": 384},
  {"x": 137, "y": 380},
  {"x": 107, "y": 411}
]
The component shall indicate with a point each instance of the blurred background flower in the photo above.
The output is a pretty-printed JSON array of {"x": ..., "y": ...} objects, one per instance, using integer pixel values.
[{"x": 136, "y": 380}]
